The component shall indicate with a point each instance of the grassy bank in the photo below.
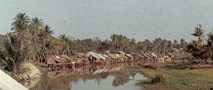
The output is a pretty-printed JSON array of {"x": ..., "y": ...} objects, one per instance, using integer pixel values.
[{"x": 178, "y": 77}]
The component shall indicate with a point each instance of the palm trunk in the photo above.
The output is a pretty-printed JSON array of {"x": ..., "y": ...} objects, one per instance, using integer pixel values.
[
  {"x": 14, "y": 67},
  {"x": 13, "y": 73},
  {"x": 199, "y": 41}
]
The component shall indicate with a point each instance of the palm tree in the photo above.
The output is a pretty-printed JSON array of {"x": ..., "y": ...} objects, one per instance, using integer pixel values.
[
  {"x": 20, "y": 26},
  {"x": 210, "y": 39},
  {"x": 199, "y": 33},
  {"x": 199, "y": 50},
  {"x": 21, "y": 23},
  {"x": 208, "y": 48},
  {"x": 44, "y": 36},
  {"x": 182, "y": 43},
  {"x": 18, "y": 43},
  {"x": 63, "y": 38},
  {"x": 66, "y": 44},
  {"x": 36, "y": 22},
  {"x": 36, "y": 27},
  {"x": 114, "y": 39},
  {"x": 46, "y": 32}
]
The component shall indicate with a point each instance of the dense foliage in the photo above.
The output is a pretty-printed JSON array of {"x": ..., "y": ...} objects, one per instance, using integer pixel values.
[
  {"x": 31, "y": 39},
  {"x": 200, "y": 49}
]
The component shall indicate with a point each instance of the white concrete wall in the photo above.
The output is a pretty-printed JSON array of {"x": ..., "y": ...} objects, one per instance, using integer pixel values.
[{"x": 8, "y": 83}]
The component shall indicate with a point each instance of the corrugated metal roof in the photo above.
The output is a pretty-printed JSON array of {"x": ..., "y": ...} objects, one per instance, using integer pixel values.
[
  {"x": 117, "y": 55},
  {"x": 153, "y": 54},
  {"x": 98, "y": 56},
  {"x": 128, "y": 55},
  {"x": 121, "y": 52}
]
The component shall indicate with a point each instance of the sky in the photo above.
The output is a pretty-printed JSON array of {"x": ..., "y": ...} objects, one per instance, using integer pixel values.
[{"x": 139, "y": 19}]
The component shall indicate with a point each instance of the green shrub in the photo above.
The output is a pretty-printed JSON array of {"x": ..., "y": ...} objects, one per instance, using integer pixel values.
[{"x": 158, "y": 79}]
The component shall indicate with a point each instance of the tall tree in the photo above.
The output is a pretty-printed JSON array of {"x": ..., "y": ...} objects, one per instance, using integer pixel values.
[
  {"x": 199, "y": 50},
  {"x": 21, "y": 23},
  {"x": 36, "y": 22},
  {"x": 114, "y": 39},
  {"x": 199, "y": 33},
  {"x": 208, "y": 48},
  {"x": 20, "y": 26},
  {"x": 36, "y": 27},
  {"x": 183, "y": 43}
]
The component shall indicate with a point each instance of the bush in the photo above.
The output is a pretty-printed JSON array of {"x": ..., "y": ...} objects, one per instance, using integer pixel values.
[{"x": 158, "y": 79}]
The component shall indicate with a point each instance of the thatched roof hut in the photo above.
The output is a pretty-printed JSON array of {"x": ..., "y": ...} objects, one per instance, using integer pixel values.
[
  {"x": 96, "y": 57},
  {"x": 51, "y": 59},
  {"x": 80, "y": 55},
  {"x": 121, "y": 52},
  {"x": 129, "y": 56},
  {"x": 113, "y": 56},
  {"x": 154, "y": 55}
]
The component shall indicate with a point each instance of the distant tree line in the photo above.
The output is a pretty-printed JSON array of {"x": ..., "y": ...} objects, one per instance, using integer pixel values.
[{"x": 120, "y": 43}]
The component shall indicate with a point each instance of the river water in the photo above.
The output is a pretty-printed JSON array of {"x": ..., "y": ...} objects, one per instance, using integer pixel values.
[
  {"x": 112, "y": 77},
  {"x": 107, "y": 84}
]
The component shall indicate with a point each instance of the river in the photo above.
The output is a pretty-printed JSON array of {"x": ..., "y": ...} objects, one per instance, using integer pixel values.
[{"x": 105, "y": 77}]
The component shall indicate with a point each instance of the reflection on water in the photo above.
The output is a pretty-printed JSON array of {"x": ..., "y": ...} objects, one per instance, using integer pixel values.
[
  {"x": 109, "y": 77},
  {"x": 110, "y": 83}
]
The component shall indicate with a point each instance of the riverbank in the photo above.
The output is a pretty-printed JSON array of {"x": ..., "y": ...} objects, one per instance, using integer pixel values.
[
  {"x": 178, "y": 76},
  {"x": 28, "y": 74},
  {"x": 114, "y": 77}
]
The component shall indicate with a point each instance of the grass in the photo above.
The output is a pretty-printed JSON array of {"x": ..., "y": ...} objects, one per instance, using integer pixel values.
[
  {"x": 178, "y": 77},
  {"x": 1, "y": 68}
]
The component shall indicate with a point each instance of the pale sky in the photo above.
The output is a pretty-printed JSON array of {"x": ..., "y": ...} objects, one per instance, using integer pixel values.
[{"x": 139, "y": 19}]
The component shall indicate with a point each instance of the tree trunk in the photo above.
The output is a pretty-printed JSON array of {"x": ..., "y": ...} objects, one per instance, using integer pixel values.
[{"x": 13, "y": 73}]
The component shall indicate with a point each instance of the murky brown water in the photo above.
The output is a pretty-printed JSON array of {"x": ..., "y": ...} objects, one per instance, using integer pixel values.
[{"x": 112, "y": 77}]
